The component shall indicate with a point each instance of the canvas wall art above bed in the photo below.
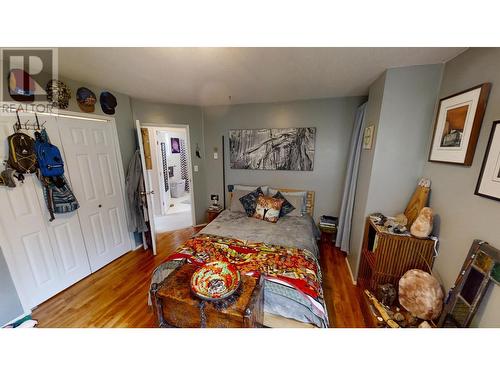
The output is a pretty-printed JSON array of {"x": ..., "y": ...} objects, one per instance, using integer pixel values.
[{"x": 272, "y": 149}]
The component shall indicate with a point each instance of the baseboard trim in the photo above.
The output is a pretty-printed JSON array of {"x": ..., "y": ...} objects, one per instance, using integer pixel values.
[
  {"x": 350, "y": 272},
  {"x": 138, "y": 247},
  {"x": 26, "y": 313},
  {"x": 200, "y": 225}
]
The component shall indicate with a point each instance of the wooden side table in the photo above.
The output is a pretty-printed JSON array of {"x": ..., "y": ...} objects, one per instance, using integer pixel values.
[
  {"x": 385, "y": 257},
  {"x": 176, "y": 306},
  {"x": 212, "y": 214},
  {"x": 327, "y": 235}
]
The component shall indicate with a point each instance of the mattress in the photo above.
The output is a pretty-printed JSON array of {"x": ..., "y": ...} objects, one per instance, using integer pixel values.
[{"x": 290, "y": 231}]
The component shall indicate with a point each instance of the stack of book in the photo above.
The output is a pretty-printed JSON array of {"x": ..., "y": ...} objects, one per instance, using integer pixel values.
[
  {"x": 328, "y": 223},
  {"x": 215, "y": 208}
]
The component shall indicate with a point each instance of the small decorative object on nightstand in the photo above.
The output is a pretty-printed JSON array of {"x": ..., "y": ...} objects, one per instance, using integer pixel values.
[
  {"x": 328, "y": 228},
  {"x": 213, "y": 212}
]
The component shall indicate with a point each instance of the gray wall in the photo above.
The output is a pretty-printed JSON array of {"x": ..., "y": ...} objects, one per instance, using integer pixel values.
[
  {"x": 372, "y": 116},
  {"x": 10, "y": 306},
  {"x": 463, "y": 215},
  {"x": 406, "y": 116},
  {"x": 333, "y": 119},
  {"x": 390, "y": 170},
  {"x": 168, "y": 114}
]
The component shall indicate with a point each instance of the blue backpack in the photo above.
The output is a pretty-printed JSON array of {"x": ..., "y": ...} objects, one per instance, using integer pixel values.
[{"x": 49, "y": 158}]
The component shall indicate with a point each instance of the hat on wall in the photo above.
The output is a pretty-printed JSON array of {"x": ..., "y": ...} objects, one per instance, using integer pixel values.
[
  {"x": 21, "y": 86},
  {"x": 108, "y": 102},
  {"x": 86, "y": 99},
  {"x": 58, "y": 93}
]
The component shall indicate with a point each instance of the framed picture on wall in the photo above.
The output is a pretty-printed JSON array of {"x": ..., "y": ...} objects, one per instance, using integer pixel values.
[
  {"x": 368, "y": 137},
  {"x": 175, "y": 145},
  {"x": 488, "y": 184},
  {"x": 458, "y": 124}
]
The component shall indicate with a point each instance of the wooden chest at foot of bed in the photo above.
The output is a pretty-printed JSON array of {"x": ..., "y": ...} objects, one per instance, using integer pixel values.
[{"x": 175, "y": 305}]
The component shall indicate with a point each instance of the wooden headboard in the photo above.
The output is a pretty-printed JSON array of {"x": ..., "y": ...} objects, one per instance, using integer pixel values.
[{"x": 309, "y": 198}]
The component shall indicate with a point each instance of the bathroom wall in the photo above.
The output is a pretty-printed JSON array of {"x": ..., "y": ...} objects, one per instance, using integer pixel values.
[{"x": 174, "y": 160}]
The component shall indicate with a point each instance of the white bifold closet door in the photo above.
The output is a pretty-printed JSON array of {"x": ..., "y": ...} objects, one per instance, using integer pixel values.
[
  {"x": 92, "y": 165},
  {"x": 44, "y": 258}
]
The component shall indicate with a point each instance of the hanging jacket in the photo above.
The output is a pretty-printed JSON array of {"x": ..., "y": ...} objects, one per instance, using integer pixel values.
[{"x": 133, "y": 187}]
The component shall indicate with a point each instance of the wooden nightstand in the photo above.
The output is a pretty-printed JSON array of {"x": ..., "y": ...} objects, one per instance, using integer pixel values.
[
  {"x": 212, "y": 214},
  {"x": 385, "y": 257},
  {"x": 327, "y": 235},
  {"x": 328, "y": 230}
]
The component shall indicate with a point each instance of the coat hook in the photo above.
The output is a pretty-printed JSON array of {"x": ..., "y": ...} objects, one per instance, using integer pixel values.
[
  {"x": 37, "y": 122},
  {"x": 18, "y": 124}
]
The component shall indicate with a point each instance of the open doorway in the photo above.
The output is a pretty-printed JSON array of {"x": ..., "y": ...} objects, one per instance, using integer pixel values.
[
  {"x": 174, "y": 203},
  {"x": 169, "y": 176}
]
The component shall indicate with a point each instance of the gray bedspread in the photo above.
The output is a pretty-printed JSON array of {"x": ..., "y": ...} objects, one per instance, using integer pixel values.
[{"x": 290, "y": 231}]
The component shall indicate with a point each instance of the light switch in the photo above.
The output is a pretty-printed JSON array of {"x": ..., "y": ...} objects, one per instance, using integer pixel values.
[
  {"x": 196, "y": 168},
  {"x": 216, "y": 155}
]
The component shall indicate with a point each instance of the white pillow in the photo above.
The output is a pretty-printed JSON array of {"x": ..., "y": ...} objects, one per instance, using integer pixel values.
[
  {"x": 235, "y": 204},
  {"x": 297, "y": 202},
  {"x": 251, "y": 188}
]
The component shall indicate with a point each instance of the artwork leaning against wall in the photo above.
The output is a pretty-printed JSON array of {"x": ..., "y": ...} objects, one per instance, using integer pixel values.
[{"x": 273, "y": 149}]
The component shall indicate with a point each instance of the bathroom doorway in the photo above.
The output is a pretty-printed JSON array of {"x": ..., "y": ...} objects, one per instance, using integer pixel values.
[{"x": 171, "y": 177}]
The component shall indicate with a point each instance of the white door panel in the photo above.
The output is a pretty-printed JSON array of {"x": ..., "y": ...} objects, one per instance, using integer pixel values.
[
  {"x": 64, "y": 232},
  {"x": 27, "y": 243},
  {"x": 93, "y": 168},
  {"x": 44, "y": 258}
]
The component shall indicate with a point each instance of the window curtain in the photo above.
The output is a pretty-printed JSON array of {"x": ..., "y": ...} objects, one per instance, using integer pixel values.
[{"x": 345, "y": 218}]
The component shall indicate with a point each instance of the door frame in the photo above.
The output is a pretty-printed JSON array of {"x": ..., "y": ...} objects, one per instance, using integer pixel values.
[
  {"x": 162, "y": 194},
  {"x": 161, "y": 127},
  {"x": 147, "y": 189},
  {"x": 5, "y": 248}
]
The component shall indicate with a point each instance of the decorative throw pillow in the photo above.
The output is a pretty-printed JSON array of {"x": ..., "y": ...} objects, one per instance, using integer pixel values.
[
  {"x": 268, "y": 208},
  {"x": 249, "y": 201},
  {"x": 287, "y": 207},
  {"x": 296, "y": 198}
]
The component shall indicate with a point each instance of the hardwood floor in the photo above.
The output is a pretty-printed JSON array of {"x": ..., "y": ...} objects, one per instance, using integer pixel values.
[
  {"x": 116, "y": 295},
  {"x": 343, "y": 299}
]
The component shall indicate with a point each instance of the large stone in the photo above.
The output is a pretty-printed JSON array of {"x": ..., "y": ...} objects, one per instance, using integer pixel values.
[
  {"x": 421, "y": 294},
  {"x": 422, "y": 226}
]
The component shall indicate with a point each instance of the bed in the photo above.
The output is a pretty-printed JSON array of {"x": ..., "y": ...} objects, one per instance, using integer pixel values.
[{"x": 284, "y": 305}]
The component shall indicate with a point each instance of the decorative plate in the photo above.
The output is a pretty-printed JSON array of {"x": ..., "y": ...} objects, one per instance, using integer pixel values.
[{"x": 215, "y": 281}]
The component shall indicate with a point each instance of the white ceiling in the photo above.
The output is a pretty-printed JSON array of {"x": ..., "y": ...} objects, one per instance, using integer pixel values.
[{"x": 208, "y": 76}]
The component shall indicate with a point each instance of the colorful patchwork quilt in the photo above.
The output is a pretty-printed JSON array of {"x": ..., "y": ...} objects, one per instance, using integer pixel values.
[{"x": 286, "y": 267}]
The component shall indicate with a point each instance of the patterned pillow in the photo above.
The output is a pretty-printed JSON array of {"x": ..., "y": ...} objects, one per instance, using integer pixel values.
[
  {"x": 287, "y": 207},
  {"x": 249, "y": 201},
  {"x": 268, "y": 208}
]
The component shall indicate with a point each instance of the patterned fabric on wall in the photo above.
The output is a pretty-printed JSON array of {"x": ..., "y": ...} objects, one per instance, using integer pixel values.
[
  {"x": 184, "y": 164},
  {"x": 164, "y": 165}
]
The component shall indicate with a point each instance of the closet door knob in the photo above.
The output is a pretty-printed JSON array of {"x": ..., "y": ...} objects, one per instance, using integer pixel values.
[{"x": 100, "y": 205}]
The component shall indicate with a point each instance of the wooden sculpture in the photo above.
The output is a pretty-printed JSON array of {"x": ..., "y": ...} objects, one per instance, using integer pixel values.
[{"x": 418, "y": 200}]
